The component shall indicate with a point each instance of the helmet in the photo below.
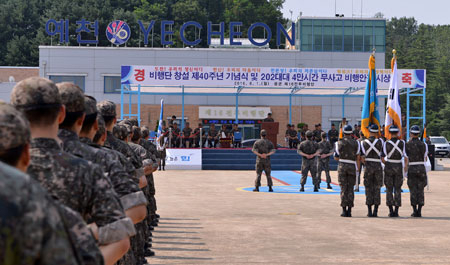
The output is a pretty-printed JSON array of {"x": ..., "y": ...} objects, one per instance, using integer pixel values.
[
  {"x": 348, "y": 129},
  {"x": 373, "y": 128},
  {"x": 415, "y": 129},
  {"x": 393, "y": 129}
]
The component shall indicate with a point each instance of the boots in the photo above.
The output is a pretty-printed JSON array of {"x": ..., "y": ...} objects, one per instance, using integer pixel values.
[
  {"x": 396, "y": 211},
  {"x": 349, "y": 211},
  {"x": 256, "y": 189},
  {"x": 419, "y": 211},
  {"x": 270, "y": 189},
  {"x": 302, "y": 189},
  {"x": 329, "y": 186},
  {"x": 375, "y": 211},
  {"x": 316, "y": 188},
  {"x": 391, "y": 211},
  {"x": 369, "y": 211},
  {"x": 344, "y": 212},
  {"x": 414, "y": 214}
]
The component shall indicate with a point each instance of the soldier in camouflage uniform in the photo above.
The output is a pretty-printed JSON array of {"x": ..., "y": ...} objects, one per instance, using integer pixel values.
[
  {"x": 347, "y": 152},
  {"x": 263, "y": 149},
  {"x": 371, "y": 151},
  {"x": 326, "y": 150},
  {"x": 27, "y": 208},
  {"x": 309, "y": 149},
  {"x": 393, "y": 152},
  {"x": 74, "y": 181},
  {"x": 417, "y": 155}
]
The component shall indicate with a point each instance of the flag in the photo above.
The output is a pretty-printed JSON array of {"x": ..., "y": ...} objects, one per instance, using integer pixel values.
[
  {"x": 393, "y": 110},
  {"x": 161, "y": 119},
  {"x": 370, "y": 113}
]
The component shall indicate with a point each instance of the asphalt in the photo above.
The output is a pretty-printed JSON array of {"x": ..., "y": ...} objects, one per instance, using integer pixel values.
[{"x": 206, "y": 219}]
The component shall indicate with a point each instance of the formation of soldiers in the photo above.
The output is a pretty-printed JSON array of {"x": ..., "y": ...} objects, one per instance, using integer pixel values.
[
  {"x": 385, "y": 163},
  {"x": 75, "y": 182}
]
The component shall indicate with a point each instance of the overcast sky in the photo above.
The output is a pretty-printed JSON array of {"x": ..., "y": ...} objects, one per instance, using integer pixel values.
[{"x": 425, "y": 11}]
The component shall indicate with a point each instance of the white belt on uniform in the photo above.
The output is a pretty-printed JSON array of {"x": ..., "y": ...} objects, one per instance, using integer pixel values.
[
  {"x": 394, "y": 161},
  {"x": 416, "y": 163},
  {"x": 373, "y": 160},
  {"x": 347, "y": 161}
]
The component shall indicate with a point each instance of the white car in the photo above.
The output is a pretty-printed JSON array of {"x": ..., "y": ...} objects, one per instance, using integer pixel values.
[{"x": 442, "y": 147}]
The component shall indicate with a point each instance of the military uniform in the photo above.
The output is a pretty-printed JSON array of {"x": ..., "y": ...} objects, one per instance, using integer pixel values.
[
  {"x": 347, "y": 150},
  {"x": 197, "y": 137},
  {"x": 317, "y": 135},
  {"x": 394, "y": 151},
  {"x": 76, "y": 183},
  {"x": 417, "y": 153},
  {"x": 213, "y": 140},
  {"x": 293, "y": 142},
  {"x": 187, "y": 137},
  {"x": 309, "y": 147},
  {"x": 263, "y": 146},
  {"x": 333, "y": 136},
  {"x": 324, "y": 163},
  {"x": 32, "y": 230},
  {"x": 373, "y": 171},
  {"x": 162, "y": 148}
]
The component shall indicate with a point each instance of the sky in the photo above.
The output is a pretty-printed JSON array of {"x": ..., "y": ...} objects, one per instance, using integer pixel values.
[{"x": 424, "y": 11}]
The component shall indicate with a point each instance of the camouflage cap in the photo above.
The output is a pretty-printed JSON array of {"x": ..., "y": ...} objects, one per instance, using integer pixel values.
[
  {"x": 14, "y": 128},
  {"x": 72, "y": 96},
  {"x": 145, "y": 131},
  {"x": 126, "y": 122},
  {"x": 101, "y": 124},
  {"x": 90, "y": 105},
  {"x": 263, "y": 132},
  {"x": 35, "y": 93},
  {"x": 137, "y": 133},
  {"x": 107, "y": 108},
  {"x": 309, "y": 133},
  {"x": 120, "y": 131},
  {"x": 323, "y": 134},
  {"x": 134, "y": 122}
]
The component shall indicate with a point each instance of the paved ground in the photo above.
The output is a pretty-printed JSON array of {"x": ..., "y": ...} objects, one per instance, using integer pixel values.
[{"x": 206, "y": 220}]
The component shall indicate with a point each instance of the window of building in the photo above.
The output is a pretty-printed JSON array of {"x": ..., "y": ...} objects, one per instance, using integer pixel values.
[
  {"x": 342, "y": 35},
  {"x": 77, "y": 80},
  {"x": 112, "y": 84}
]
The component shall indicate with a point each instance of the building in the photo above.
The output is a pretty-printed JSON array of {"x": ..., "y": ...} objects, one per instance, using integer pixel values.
[{"x": 320, "y": 43}]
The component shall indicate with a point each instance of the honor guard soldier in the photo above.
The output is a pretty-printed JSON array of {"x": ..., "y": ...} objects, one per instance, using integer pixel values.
[
  {"x": 416, "y": 153},
  {"x": 326, "y": 150},
  {"x": 309, "y": 149},
  {"x": 371, "y": 150},
  {"x": 394, "y": 151},
  {"x": 347, "y": 152},
  {"x": 263, "y": 149}
]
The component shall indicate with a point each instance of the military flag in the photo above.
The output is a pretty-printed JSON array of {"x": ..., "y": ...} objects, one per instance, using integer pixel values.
[
  {"x": 393, "y": 109},
  {"x": 370, "y": 113}
]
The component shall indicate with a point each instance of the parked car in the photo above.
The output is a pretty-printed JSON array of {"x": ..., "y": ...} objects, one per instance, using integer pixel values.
[
  {"x": 249, "y": 143},
  {"x": 442, "y": 147}
]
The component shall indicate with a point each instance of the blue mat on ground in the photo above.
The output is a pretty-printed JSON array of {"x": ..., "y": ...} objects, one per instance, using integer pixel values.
[{"x": 293, "y": 180}]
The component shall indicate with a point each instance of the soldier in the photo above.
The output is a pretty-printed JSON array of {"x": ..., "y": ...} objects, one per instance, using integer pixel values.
[
  {"x": 347, "y": 152},
  {"x": 333, "y": 135},
  {"x": 74, "y": 181},
  {"x": 269, "y": 118},
  {"x": 27, "y": 209},
  {"x": 293, "y": 137},
  {"x": 213, "y": 136},
  {"x": 176, "y": 136},
  {"x": 417, "y": 155},
  {"x": 371, "y": 151},
  {"x": 393, "y": 152},
  {"x": 162, "y": 145},
  {"x": 326, "y": 150},
  {"x": 263, "y": 149},
  {"x": 317, "y": 133},
  {"x": 187, "y": 136},
  {"x": 309, "y": 149}
]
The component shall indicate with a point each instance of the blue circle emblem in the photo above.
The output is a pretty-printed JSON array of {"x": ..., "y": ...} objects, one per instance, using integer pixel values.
[{"x": 118, "y": 32}]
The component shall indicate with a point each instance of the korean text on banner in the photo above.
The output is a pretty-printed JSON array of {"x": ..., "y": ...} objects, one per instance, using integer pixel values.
[{"x": 184, "y": 159}]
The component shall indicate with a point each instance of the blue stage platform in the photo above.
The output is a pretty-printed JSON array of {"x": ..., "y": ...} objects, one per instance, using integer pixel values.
[{"x": 244, "y": 159}]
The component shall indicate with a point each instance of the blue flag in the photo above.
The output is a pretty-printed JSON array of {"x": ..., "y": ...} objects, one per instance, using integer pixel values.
[
  {"x": 161, "y": 119},
  {"x": 370, "y": 113}
]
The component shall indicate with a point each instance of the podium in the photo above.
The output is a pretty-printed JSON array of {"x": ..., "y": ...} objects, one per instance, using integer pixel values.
[{"x": 272, "y": 131}]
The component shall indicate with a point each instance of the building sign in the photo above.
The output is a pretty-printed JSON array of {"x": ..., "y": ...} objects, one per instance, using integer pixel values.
[
  {"x": 186, "y": 159},
  {"x": 224, "y": 113},
  {"x": 118, "y": 32},
  {"x": 219, "y": 76}
]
